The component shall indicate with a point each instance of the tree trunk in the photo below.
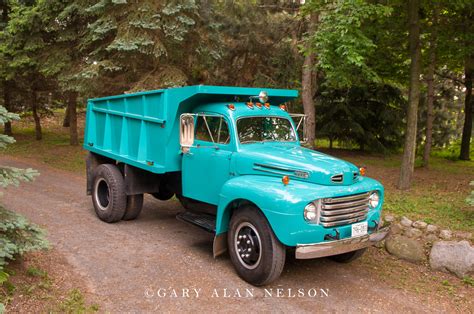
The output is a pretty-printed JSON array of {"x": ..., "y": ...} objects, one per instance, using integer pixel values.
[
  {"x": 408, "y": 161},
  {"x": 7, "y": 128},
  {"x": 72, "y": 105},
  {"x": 308, "y": 86},
  {"x": 66, "y": 122},
  {"x": 36, "y": 117},
  {"x": 468, "y": 108},
  {"x": 430, "y": 96}
]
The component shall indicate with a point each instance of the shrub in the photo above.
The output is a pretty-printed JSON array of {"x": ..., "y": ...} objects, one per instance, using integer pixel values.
[{"x": 18, "y": 236}]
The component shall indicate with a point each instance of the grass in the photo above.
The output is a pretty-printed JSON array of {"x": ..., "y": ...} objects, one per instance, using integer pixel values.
[
  {"x": 53, "y": 149},
  {"x": 75, "y": 303},
  {"x": 468, "y": 281},
  {"x": 30, "y": 286},
  {"x": 437, "y": 196}
]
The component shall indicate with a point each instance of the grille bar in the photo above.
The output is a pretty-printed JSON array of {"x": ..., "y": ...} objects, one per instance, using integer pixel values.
[
  {"x": 345, "y": 198},
  {"x": 345, "y": 204},
  {"x": 342, "y": 222},
  {"x": 344, "y": 210},
  {"x": 348, "y": 216}
]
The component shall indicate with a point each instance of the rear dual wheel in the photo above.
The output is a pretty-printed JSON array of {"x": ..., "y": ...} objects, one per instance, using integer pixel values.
[{"x": 111, "y": 204}]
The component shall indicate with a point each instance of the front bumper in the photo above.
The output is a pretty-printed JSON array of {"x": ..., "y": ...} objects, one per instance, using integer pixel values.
[{"x": 323, "y": 249}]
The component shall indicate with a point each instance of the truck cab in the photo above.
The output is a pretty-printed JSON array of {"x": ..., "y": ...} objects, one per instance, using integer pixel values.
[{"x": 240, "y": 171}]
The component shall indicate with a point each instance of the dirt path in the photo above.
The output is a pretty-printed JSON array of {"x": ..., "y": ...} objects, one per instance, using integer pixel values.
[{"x": 125, "y": 264}]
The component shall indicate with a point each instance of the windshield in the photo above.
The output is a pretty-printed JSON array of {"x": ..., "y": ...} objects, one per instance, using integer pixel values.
[{"x": 264, "y": 129}]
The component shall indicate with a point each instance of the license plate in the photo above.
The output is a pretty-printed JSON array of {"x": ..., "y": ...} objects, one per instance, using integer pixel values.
[{"x": 359, "y": 229}]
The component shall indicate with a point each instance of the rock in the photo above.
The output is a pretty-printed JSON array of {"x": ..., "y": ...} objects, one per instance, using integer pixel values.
[
  {"x": 431, "y": 229},
  {"x": 454, "y": 257},
  {"x": 380, "y": 244},
  {"x": 396, "y": 228},
  {"x": 419, "y": 224},
  {"x": 413, "y": 233},
  {"x": 431, "y": 237},
  {"x": 445, "y": 234},
  {"x": 405, "y": 222},
  {"x": 389, "y": 218},
  {"x": 405, "y": 248},
  {"x": 463, "y": 235}
]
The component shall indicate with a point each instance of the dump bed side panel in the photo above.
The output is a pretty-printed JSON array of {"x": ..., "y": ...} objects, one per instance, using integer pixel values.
[{"x": 130, "y": 129}]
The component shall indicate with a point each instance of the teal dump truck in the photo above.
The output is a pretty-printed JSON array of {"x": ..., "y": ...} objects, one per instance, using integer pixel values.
[{"x": 233, "y": 157}]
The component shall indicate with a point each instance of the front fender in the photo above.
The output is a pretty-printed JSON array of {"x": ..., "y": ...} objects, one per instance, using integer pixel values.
[{"x": 283, "y": 205}]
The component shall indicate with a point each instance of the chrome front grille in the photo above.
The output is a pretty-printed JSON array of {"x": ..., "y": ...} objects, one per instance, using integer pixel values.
[{"x": 344, "y": 210}]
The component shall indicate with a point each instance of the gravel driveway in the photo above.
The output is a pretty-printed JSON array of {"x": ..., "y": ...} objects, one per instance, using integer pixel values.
[{"x": 155, "y": 262}]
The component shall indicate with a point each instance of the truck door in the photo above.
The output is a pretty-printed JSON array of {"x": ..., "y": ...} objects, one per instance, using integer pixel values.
[{"x": 206, "y": 166}]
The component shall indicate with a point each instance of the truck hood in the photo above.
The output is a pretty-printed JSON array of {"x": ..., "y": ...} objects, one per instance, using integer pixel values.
[{"x": 281, "y": 159}]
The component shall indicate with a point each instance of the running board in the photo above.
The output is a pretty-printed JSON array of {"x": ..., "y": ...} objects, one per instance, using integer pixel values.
[{"x": 203, "y": 221}]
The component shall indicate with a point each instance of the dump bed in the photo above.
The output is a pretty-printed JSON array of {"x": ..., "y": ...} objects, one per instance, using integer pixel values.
[{"x": 142, "y": 129}]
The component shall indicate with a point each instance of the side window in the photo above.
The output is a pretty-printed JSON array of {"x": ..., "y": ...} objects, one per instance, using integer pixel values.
[{"x": 212, "y": 129}]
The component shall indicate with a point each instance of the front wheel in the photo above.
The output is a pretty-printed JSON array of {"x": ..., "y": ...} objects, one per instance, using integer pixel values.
[{"x": 256, "y": 253}]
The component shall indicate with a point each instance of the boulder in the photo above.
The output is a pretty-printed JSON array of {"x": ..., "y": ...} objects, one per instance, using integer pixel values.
[
  {"x": 454, "y": 257},
  {"x": 463, "y": 235},
  {"x": 405, "y": 222},
  {"x": 445, "y": 234},
  {"x": 389, "y": 218},
  {"x": 405, "y": 248},
  {"x": 419, "y": 224},
  {"x": 396, "y": 228},
  {"x": 413, "y": 233},
  {"x": 431, "y": 229},
  {"x": 431, "y": 237},
  {"x": 380, "y": 244}
]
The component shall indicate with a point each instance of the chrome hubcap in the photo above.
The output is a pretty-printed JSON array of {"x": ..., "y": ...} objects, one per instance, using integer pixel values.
[
  {"x": 103, "y": 194},
  {"x": 248, "y": 245}
]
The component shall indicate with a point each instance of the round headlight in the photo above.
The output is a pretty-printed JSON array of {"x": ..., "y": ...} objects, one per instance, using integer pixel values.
[
  {"x": 310, "y": 212},
  {"x": 374, "y": 200}
]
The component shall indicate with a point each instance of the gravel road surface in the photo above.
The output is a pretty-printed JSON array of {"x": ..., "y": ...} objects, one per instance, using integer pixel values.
[{"x": 155, "y": 262}]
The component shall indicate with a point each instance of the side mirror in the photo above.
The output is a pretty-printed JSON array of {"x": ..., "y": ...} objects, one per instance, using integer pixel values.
[
  {"x": 186, "y": 131},
  {"x": 300, "y": 122}
]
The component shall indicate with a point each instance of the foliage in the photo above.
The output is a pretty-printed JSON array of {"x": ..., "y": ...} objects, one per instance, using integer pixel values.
[
  {"x": 447, "y": 124},
  {"x": 105, "y": 47},
  {"x": 18, "y": 236},
  {"x": 370, "y": 116},
  {"x": 470, "y": 198},
  {"x": 11, "y": 175},
  {"x": 75, "y": 303},
  {"x": 342, "y": 44}
]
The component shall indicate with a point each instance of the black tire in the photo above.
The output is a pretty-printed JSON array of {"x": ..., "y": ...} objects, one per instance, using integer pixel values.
[
  {"x": 134, "y": 207},
  {"x": 163, "y": 195},
  {"x": 266, "y": 259},
  {"x": 108, "y": 193},
  {"x": 348, "y": 257}
]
